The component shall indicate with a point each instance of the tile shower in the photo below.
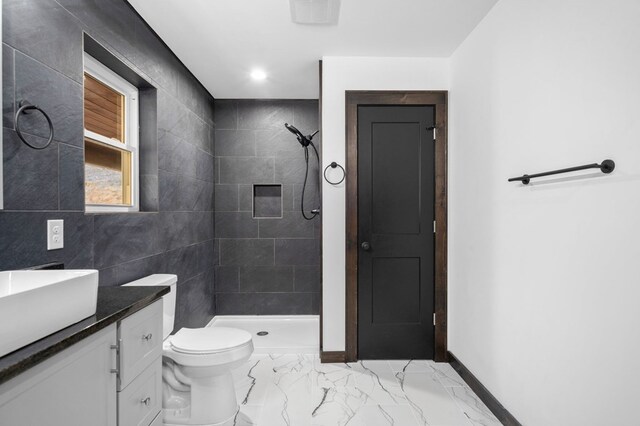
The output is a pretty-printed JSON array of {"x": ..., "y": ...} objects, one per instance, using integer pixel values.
[{"x": 269, "y": 255}]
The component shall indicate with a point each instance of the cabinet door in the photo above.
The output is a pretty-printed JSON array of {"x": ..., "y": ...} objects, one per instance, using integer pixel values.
[{"x": 74, "y": 388}]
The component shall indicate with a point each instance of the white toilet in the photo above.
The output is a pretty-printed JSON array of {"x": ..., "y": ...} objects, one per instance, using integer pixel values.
[{"x": 196, "y": 365}]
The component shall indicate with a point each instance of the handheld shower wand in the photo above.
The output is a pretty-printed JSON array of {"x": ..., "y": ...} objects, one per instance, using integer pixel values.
[{"x": 305, "y": 141}]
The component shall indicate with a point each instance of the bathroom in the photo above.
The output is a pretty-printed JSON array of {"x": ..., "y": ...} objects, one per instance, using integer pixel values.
[{"x": 245, "y": 212}]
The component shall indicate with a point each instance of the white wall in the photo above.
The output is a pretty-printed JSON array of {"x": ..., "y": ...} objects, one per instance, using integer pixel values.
[
  {"x": 544, "y": 281},
  {"x": 355, "y": 73}
]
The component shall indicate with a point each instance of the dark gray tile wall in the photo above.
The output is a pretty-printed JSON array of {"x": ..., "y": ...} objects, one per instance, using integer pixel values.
[
  {"x": 266, "y": 266},
  {"x": 42, "y": 62}
]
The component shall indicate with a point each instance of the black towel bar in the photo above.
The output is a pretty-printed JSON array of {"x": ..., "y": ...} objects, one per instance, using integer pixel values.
[{"x": 607, "y": 166}]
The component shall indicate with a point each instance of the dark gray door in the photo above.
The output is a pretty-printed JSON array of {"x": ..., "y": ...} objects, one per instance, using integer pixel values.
[{"x": 396, "y": 210}]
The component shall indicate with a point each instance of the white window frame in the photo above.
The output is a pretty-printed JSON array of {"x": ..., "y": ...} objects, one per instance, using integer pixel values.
[{"x": 102, "y": 73}]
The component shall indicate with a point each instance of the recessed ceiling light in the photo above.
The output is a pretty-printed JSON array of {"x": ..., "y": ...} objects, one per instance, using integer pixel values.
[{"x": 258, "y": 75}]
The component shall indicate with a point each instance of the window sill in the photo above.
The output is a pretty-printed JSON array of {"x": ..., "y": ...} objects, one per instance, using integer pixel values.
[{"x": 89, "y": 209}]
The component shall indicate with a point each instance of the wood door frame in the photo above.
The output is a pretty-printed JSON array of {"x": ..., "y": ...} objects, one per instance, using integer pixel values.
[
  {"x": 320, "y": 333},
  {"x": 438, "y": 99}
]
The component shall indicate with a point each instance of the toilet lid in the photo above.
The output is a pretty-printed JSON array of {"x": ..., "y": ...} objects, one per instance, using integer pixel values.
[{"x": 208, "y": 340}]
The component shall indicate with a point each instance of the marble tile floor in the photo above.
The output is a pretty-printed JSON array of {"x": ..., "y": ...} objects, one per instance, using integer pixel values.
[{"x": 297, "y": 390}]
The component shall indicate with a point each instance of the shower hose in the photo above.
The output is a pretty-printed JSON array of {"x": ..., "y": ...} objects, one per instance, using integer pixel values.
[{"x": 314, "y": 212}]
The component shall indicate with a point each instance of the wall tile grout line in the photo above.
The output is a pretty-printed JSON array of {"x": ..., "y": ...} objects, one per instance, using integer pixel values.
[{"x": 15, "y": 49}]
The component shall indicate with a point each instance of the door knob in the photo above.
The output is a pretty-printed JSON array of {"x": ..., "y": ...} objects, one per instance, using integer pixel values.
[{"x": 366, "y": 246}]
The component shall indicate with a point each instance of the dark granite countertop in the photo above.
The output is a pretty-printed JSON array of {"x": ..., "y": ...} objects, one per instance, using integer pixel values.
[{"x": 114, "y": 303}]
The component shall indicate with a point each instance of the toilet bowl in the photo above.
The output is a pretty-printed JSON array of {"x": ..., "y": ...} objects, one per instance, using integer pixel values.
[
  {"x": 197, "y": 384},
  {"x": 202, "y": 359}
]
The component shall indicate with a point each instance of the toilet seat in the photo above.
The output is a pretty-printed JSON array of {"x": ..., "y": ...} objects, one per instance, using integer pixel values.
[
  {"x": 208, "y": 347},
  {"x": 208, "y": 340}
]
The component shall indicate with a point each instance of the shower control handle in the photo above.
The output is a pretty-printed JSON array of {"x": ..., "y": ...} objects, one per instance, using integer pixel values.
[{"x": 366, "y": 246}]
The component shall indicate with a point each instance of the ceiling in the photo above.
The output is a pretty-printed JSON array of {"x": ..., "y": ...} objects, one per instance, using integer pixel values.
[{"x": 222, "y": 41}]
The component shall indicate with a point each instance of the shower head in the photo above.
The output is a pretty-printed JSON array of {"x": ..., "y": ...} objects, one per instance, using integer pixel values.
[
  {"x": 304, "y": 140},
  {"x": 293, "y": 130}
]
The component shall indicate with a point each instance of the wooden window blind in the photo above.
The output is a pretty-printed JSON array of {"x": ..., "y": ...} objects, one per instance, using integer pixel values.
[{"x": 103, "y": 109}]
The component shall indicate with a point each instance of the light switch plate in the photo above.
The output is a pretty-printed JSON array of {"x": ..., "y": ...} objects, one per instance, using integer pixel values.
[{"x": 55, "y": 234}]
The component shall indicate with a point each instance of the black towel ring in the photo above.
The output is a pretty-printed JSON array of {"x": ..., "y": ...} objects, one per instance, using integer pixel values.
[
  {"x": 333, "y": 165},
  {"x": 24, "y": 108}
]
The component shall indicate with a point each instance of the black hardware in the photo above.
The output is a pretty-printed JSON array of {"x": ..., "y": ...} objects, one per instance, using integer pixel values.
[
  {"x": 25, "y": 107},
  {"x": 305, "y": 141},
  {"x": 366, "y": 246},
  {"x": 607, "y": 166},
  {"x": 333, "y": 165}
]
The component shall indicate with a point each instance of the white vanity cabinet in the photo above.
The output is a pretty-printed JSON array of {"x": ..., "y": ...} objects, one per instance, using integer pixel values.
[
  {"x": 111, "y": 378},
  {"x": 140, "y": 367},
  {"x": 73, "y": 388}
]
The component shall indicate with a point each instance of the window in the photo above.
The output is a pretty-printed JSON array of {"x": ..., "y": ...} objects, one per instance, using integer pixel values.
[{"x": 110, "y": 140}]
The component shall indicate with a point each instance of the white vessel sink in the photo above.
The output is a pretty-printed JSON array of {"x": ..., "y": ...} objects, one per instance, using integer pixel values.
[{"x": 34, "y": 304}]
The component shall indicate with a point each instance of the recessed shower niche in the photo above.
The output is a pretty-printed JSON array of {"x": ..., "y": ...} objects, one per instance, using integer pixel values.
[{"x": 267, "y": 201}]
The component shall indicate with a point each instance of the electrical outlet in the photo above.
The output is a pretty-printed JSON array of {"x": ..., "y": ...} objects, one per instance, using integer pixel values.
[{"x": 55, "y": 234}]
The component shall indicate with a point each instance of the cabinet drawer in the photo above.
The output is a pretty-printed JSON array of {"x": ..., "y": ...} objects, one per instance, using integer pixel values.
[
  {"x": 140, "y": 337},
  {"x": 141, "y": 401}
]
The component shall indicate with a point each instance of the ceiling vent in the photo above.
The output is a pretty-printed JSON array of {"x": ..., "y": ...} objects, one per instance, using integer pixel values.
[{"x": 315, "y": 12}]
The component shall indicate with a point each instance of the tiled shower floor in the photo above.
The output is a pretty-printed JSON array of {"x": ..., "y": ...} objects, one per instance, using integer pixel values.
[{"x": 297, "y": 390}]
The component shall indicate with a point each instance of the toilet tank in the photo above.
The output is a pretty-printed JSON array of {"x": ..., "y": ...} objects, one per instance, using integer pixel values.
[{"x": 168, "y": 300}]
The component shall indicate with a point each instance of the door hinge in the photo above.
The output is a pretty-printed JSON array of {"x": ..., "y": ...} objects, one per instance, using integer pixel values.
[
  {"x": 434, "y": 318},
  {"x": 434, "y": 131},
  {"x": 434, "y": 226}
]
